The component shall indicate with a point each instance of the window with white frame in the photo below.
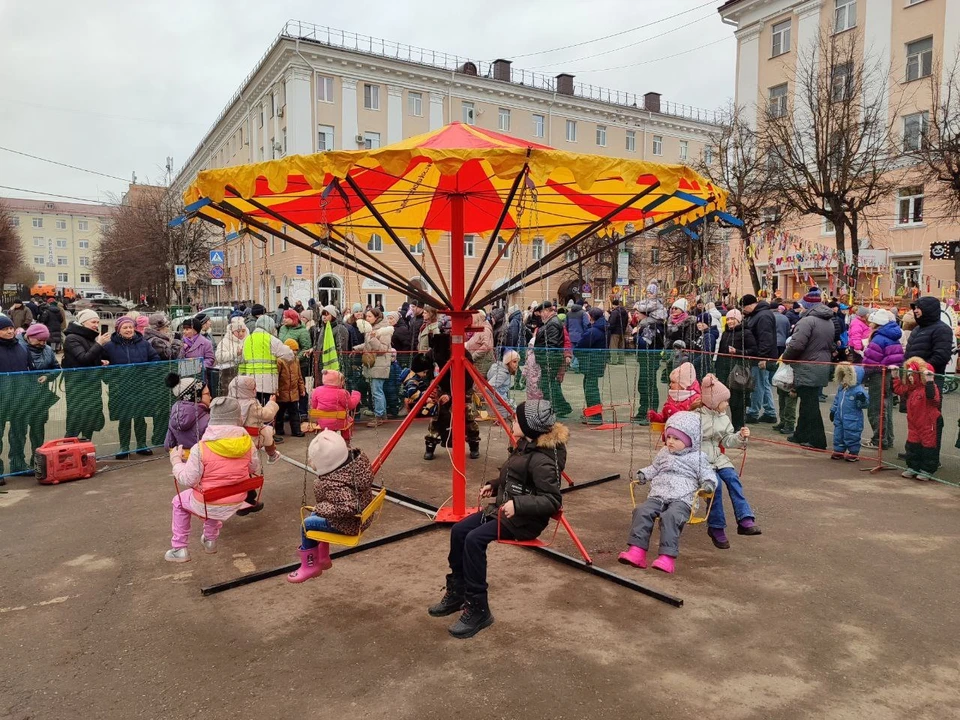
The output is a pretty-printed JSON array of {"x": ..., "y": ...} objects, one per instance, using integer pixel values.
[
  {"x": 602, "y": 135},
  {"x": 84, "y": 261},
  {"x": 536, "y": 248},
  {"x": 39, "y": 260},
  {"x": 375, "y": 244},
  {"x": 61, "y": 260},
  {"x": 375, "y": 299},
  {"x": 684, "y": 149},
  {"x": 538, "y": 122},
  {"x": 502, "y": 246},
  {"x": 503, "y": 119},
  {"x": 841, "y": 82},
  {"x": 61, "y": 224},
  {"x": 273, "y": 244},
  {"x": 283, "y": 142},
  {"x": 910, "y": 205},
  {"x": 415, "y": 103},
  {"x": 371, "y": 96},
  {"x": 658, "y": 144},
  {"x": 631, "y": 144},
  {"x": 61, "y": 243},
  {"x": 914, "y": 130},
  {"x": 777, "y": 101},
  {"x": 324, "y": 138},
  {"x": 41, "y": 277},
  {"x": 469, "y": 112},
  {"x": 708, "y": 154},
  {"x": 371, "y": 140},
  {"x": 770, "y": 215},
  {"x": 844, "y": 15},
  {"x": 417, "y": 249},
  {"x": 919, "y": 59},
  {"x": 261, "y": 117},
  {"x": 85, "y": 278},
  {"x": 469, "y": 245},
  {"x": 828, "y": 227},
  {"x": 781, "y": 38},
  {"x": 774, "y": 160},
  {"x": 13, "y": 222},
  {"x": 63, "y": 277},
  {"x": 906, "y": 271},
  {"x": 324, "y": 89},
  {"x": 83, "y": 226},
  {"x": 272, "y": 105},
  {"x": 37, "y": 241},
  {"x": 570, "y": 255},
  {"x": 571, "y": 130},
  {"x": 38, "y": 222}
]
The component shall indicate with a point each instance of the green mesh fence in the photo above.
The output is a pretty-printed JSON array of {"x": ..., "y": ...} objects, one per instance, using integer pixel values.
[{"x": 121, "y": 408}]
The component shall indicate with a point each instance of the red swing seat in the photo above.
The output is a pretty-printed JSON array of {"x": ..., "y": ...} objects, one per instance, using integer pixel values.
[
  {"x": 595, "y": 410},
  {"x": 560, "y": 519},
  {"x": 254, "y": 482}
]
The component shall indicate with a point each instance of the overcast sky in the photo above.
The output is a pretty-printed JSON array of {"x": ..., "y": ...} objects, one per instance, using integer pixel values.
[{"x": 116, "y": 87}]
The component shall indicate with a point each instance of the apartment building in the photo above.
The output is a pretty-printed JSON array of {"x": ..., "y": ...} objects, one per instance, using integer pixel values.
[
  {"x": 318, "y": 89},
  {"x": 911, "y": 42},
  {"x": 59, "y": 240}
]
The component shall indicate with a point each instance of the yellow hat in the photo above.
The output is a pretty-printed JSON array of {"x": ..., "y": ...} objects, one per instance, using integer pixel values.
[{"x": 292, "y": 344}]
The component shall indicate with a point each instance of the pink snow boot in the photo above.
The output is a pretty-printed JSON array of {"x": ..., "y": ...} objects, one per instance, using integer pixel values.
[
  {"x": 310, "y": 564},
  {"x": 634, "y": 555},
  {"x": 665, "y": 563}
]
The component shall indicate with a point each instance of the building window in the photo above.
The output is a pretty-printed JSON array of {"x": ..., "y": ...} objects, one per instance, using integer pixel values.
[
  {"x": 105, "y": 226},
  {"x": 415, "y": 104},
  {"x": 631, "y": 140},
  {"x": 503, "y": 120},
  {"x": 684, "y": 149},
  {"x": 375, "y": 299},
  {"x": 658, "y": 144},
  {"x": 536, "y": 249},
  {"x": 417, "y": 249},
  {"x": 324, "y": 138},
  {"x": 84, "y": 261},
  {"x": 781, "y": 38},
  {"x": 906, "y": 271},
  {"x": 708, "y": 155},
  {"x": 273, "y": 148},
  {"x": 38, "y": 222},
  {"x": 602, "y": 135},
  {"x": 469, "y": 113},
  {"x": 14, "y": 222},
  {"x": 375, "y": 244},
  {"x": 570, "y": 255},
  {"x": 770, "y": 215},
  {"x": 654, "y": 256},
  {"x": 38, "y": 260},
  {"x": 828, "y": 227},
  {"x": 469, "y": 242},
  {"x": 261, "y": 116},
  {"x": 63, "y": 277},
  {"x": 919, "y": 59},
  {"x": 61, "y": 243},
  {"x": 41, "y": 276},
  {"x": 503, "y": 247},
  {"x": 538, "y": 126},
  {"x": 371, "y": 96},
  {"x": 371, "y": 140},
  {"x": 910, "y": 205},
  {"x": 324, "y": 89},
  {"x": 37, "y": 241},
  {"x": 83, "y": 226},
  {"x": 85, "y": 278},
  {"x": 571, "y": 130},
  {"x": 841, "y": 87},
  {"x": 777, "y": 103},
  {"x": 914, "y": 129},
  {"x": 272, "y": 105},
  {"x": 61, "y": 224},
  {"x": 845, "y": 15},
  {"x": 283, "y": 144}
]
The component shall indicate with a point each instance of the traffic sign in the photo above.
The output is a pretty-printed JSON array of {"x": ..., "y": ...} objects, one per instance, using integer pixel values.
[
  {"x": 216, "y": 257},
  {"x": 299, "y": 269},
  {"x": 218, "y": 282},
  {"x": 180, "y": 273},
  {"x": 216, "y": 271}
]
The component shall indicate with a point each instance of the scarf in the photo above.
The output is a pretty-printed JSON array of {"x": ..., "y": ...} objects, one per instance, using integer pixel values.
[{"x": 679, "y": 318}]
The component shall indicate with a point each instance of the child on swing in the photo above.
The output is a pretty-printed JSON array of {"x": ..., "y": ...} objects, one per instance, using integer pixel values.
[
  {"x": 717, "y": 430},
  {"x": 683, "y": 393},
  {"x": 224, "y": 455},
  {"x": 331, "y": 399},
  {"x": 343, "y": 490},
  {"x": 190, "y": 414},
  {"x": 677, "y": 473}
]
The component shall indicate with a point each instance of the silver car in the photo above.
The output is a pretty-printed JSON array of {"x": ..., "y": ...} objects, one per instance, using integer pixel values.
[{"x": 219, "y": 319}]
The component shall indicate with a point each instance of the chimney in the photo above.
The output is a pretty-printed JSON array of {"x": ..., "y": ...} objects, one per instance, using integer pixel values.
[
  {"x": 565, "y": 84},
  {"x": 501, "y": 70},
  {"x": 651, "y": 102}
]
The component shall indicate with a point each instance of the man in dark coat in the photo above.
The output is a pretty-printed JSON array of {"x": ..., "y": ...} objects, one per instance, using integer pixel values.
[
  {"x": 416, "y": 323},
  {"x": 931, "y": 340},
  {"x": 812, "y": 345},
  {"x": 617, "y": 326},
  {"x": 548, "y": 348},
  {"x": 591, "y": 349},
  {"x": 760, "y": 322},
  {"x": 14, "y": 358},
  {"x": 52, "y": 316}
]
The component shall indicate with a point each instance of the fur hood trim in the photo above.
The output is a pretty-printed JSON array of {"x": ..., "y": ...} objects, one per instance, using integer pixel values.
[{"x": 558, "y": 435}]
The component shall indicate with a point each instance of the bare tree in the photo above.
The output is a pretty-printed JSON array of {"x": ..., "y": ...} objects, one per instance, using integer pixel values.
[
  {"x": 12, "y": 265},
  {"x": 734, "y": 162},
  {"x": 937, "y": 146},
  {"x": 138, "y": 251},
  {"x": 834, "y": 154}
]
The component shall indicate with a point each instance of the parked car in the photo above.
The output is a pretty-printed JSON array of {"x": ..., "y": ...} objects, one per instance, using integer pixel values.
[{"x": 219, "y": 319}]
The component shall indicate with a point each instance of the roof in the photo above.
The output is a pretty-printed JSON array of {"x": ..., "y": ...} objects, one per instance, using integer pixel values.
[{"x": 55, "y": 207}]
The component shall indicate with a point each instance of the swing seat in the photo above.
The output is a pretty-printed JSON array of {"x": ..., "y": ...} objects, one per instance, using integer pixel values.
[
  {"x": 343, "y": 415},
  {"x": 254, "y": 482},
  {"x": 560, "y": 519},
  {"x": 699, "y": 511},
  {"x": 595, "y": 410},
  {"x": 252, "y": 431},
  {"x": 334, "y": 538},
  {"x": 657, "y": 428}
]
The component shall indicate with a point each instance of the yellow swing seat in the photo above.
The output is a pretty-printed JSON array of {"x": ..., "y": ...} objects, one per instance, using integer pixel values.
[
  {"x": 369, "y": 512},
  {"x": 702, "y": 502}
]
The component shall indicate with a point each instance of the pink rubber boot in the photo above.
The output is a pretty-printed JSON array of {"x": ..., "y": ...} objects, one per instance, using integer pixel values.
[
  {"x": 309, "y": 566},
  {"x": 634, "y": 555},
  {"x": 665, "y": 563},
  {"x": 323, "y": 556}
]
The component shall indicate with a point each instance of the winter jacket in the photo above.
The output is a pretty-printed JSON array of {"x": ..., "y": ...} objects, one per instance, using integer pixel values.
[
  {"x": 290, "y": 385},
  {"x": 860, "y": 331},
  {"x": 794, "y": 317},
  {"x": 40, "y": 358},
  {"x": 378, "y": 341},
  {"x": 344, "y": 493},
  {"x": 593, "y": 346},
  {"x": 848, "y": 406},
  {"x": 676, "y": 477},
  {"x": 516, "y": 334},
  {"x": 355, "y": 336},
  {"x": 716, "y": 430},
  {"x": 253, "y": 415},
  {"x": 618, "y": 321},
  {"x": 678, "y": 400},
  {"x": 51, "y": 315},
  {"x": 923, "y": 407},
  {"x": 251, "y": 323},
  {"x": 685, "y": 330},
  {"x": 480, "y": 347},
  {"x": 783, "y": 331},
  {"x": 763, "y": 326},
  {"x": 650, "y": 334},
  {"x": 932, "y": 339},
  {"x": 416, "y": 324},
  {"x": 14, "y": 357},
  {"x": 839, "y": 328},
  {"x": 427, "y": 330},
  {"x": 501, "y": 380},
  {"x": 166, "y": 347},
  {"x": 884, "y": 348},
  {"x": 548, "y": 344},
  {"x": 126, "y": 397},
  {"x": 21, "y": 316},
  {"x": 333, "y": 400},
  {"x": 735, "y": 344},
  {"x": 402, "y": 336},
  {"x": 531, "y": 479},
  {"x": 188, "y": 423},
  {"x": 198, "y": 347},
  {"x": 813, "y": 341},
  {"x": 299, "y": 333},
  {"x": 121, "y": 351},
  {"x": 230, "y": 350},
  {"x": 576, "y": 323}
]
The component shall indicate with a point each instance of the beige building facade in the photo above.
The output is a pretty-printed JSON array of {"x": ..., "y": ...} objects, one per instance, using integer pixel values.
[
  {"x": 59, "y": 240},
  {"x": 320, "y": 89},
  {"x": 913, "y": 43}
]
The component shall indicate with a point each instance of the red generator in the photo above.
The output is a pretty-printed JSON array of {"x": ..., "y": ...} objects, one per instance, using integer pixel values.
[{"x": 64, "y": 460}]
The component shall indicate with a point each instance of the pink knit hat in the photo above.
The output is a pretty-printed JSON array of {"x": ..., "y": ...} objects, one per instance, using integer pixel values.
[
  {"x": 684, "y": 376},
  {"x": 38, "y": 331},
  {"x": 123, "y": 320},
  {"x": 713, "y": 392},
  {"x": 142, "y": 323},
  {"x": 735, "y": 315},
  {"x": 331, "y": 378}
]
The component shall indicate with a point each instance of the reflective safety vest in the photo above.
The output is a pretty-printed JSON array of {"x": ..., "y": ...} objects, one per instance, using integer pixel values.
[{"x": 257, "y": 358}]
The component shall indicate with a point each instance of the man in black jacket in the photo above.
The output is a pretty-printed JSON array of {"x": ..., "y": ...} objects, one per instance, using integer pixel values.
[
  {"x": 760, "y": 322},
  {"x": 618, "y": 329},
  {"x": 931, "y": 340},
  {"x": 548, "y": 349},
  {"x": 13, "y": 359}
]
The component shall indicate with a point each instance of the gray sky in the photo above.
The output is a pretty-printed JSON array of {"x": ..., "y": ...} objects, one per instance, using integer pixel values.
[{"x": 118, "y": 86}]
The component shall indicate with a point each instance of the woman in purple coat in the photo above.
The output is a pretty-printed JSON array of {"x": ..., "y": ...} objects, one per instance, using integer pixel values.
[
  {"x": 196, "y": 345},
  {"x": 883, "y": 350}
]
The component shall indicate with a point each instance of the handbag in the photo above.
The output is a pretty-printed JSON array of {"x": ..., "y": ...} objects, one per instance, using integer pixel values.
[
  {"x": 368, "y": 359},
  {"x": 740, "y": 379}
]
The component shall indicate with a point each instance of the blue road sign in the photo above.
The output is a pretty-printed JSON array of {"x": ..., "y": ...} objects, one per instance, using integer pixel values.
[
  {"x": 216, "y": 272},
  {"x": 299, "y": 269},
  {"x": 216, "y": 257}
]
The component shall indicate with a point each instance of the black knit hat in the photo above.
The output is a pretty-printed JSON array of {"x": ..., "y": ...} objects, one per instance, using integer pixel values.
[{"x": 421, "y": 363}]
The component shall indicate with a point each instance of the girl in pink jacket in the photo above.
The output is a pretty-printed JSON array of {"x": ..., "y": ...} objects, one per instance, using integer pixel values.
[
  {"x": 331, "y": 399},
  {"x": 859, "y": 335},
  {"x": 225, "y": 455}
]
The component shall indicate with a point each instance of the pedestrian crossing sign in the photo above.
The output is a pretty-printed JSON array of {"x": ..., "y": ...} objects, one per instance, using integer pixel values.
[{"x": 216, "y": 257}]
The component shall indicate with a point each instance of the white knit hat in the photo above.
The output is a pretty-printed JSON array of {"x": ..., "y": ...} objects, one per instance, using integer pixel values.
[
  {"x": 680, "y": 303},
  {"x": 86, "y": 316},
  {"x": 880, "y": 317},
  {"x": 328, "y": 451}
]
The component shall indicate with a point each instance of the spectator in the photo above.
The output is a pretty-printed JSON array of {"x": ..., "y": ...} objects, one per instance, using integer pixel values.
[
  {"x": 83, "y": 348},
  {"x": 500, "y": 376},
  {"x": 20, "y": 314},
  {"x": 480, "y": 344},
  {"x": 41, "y": 395},
  {"x": 157, "y": 334},
  {"x": 261, "y": 352},
  {"x": 376, "y": 346},
  {"x": 256, "y": 312},
  {"x": 617, "y": 325},
  {"x": 649, "y": 341},
  {"x": 429, "y": 327},
  {"x": 52, "y": 316},
  {"x": 593, "y": 363},
  {"x": 416, "y": 323},
  {"x": 548, "y": 350},
  {"x": 736, "y": 344},
  {"x": 859, "y": 335},
  {"x": 761, "y": 323},
  {"x": 127, "y": 347},
  {"x": 14, "y": 358},
  {"x": 195, "y": 345}
]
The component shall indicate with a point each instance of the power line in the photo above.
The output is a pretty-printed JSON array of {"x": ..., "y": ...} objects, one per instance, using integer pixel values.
[
  {"x": 616, "y": 34},
  {"x": 68, "y": 197},
  {"x": 61, "y": 164},
  {"x": 654, "y": 60},
  {"x": 103, "y": 115}
]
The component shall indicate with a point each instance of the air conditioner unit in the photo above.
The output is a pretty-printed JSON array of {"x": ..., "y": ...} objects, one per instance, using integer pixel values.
[{"x": 360, "y": 140}]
